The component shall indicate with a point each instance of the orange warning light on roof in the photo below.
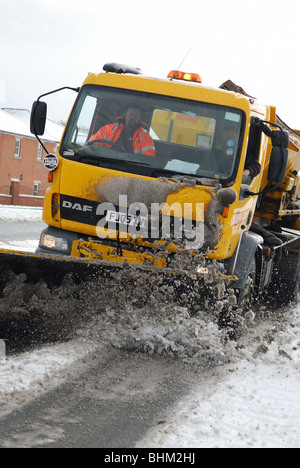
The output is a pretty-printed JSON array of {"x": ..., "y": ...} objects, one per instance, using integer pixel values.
[{"x": 179, "y": 75}]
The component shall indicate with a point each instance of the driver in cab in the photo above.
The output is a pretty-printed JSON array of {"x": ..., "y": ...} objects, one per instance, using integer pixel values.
[{"x": 128, "y": 132}]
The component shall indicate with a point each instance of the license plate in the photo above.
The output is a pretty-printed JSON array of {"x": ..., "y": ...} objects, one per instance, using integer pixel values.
[{"x": 126, "y": 219}]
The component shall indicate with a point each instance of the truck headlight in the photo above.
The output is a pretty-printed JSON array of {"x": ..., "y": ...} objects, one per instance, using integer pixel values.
[{"x": 52, "y": 242}]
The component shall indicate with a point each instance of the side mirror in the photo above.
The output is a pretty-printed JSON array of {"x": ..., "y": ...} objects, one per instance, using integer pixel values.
[
  {"x": 38, "y": 118},
  {"x": 279, "y": 156},
  {"x": 280, "y": 138}
]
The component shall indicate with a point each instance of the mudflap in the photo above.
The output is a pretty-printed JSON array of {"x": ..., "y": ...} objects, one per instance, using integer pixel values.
[
  {"x": 47, "y": 298},
  {"x": 284, "y": 288}
]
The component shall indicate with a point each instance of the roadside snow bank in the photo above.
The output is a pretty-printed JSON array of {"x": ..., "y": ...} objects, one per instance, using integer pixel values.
[
  {"x": 20, "y": 213},
  {"x": 256, "y": 406},
  {"x": 24, "y": 246},
  {"x": 253, "y": 402}
]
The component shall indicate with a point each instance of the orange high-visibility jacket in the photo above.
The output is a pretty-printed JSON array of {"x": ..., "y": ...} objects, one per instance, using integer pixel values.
[{"x": 142, "y": 141}]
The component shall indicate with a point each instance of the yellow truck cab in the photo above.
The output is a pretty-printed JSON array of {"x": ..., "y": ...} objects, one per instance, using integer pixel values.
[{"x": 215, "y": 165}]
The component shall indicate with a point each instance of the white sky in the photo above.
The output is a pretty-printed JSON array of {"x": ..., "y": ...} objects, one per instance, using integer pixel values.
[{"x": 46, "y": 44}]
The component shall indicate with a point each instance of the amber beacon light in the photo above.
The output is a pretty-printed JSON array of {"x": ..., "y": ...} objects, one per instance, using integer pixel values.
[{"x": 179, "y": 75}]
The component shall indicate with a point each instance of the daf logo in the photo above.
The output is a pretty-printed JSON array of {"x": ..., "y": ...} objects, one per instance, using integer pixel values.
[{"x": 77, "y": 206}]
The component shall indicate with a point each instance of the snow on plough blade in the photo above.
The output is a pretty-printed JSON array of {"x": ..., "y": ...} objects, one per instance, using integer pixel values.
[{"x": 46, "y": 297}]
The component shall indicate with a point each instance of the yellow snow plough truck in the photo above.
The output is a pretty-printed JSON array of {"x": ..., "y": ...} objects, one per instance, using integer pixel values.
[{"x": 162, "y": 190}]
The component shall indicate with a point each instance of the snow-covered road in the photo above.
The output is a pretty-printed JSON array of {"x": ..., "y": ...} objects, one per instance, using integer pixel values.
[{"x": 251, "y": 396}]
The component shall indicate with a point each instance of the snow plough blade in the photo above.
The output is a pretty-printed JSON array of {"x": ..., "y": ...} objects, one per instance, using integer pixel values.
[{"x": 46, "y": 297}]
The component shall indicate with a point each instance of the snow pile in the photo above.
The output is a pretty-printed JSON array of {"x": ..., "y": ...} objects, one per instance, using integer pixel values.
[
  {"x": 168, "y": 330},
  {"x": 20, "y": 213},
  {"x": 134, "y": 307}
]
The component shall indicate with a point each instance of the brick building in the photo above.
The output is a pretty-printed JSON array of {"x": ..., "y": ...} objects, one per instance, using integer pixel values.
[{"x": 23, "y": 177}]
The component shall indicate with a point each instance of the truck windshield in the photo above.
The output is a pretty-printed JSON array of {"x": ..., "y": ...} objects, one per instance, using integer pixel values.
[{"x": 153, "y": 135}]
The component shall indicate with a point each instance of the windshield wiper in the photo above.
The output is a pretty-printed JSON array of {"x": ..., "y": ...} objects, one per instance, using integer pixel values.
[
  {"x": 158, "y": 171},
  {"x": 79, "y": 156}
]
